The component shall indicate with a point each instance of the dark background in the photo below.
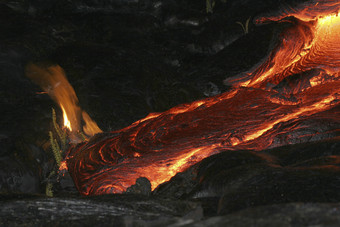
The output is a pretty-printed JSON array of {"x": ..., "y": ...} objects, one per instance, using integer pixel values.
[{"x": 125, "y": 59}]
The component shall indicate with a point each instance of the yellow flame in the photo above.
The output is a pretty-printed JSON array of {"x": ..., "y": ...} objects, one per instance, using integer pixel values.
[
  {"x": 90, "y": 128},
  {"x": 53, "y": 81},
  {"x": 67, "y": 123}
]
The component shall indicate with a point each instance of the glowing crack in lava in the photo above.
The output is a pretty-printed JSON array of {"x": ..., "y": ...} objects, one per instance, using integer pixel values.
[{"x": 281, "y": 102}]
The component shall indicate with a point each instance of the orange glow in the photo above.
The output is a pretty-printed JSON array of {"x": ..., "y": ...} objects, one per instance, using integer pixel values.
[
  {"x": 267, "y": 107},
  {"x": 303, "y": 47},
  {"x": 304, "y": 111},
  {"x": 67, "y": 123},
  {"x": 90, "y": 127},
  {"x": 53, "y": 80},
  {"x": 63, "y": 166},
  {"x": 330, "y": 20}
]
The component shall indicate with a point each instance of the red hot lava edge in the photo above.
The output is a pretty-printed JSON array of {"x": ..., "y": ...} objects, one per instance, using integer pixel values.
[{"x": 252, "y": 115}]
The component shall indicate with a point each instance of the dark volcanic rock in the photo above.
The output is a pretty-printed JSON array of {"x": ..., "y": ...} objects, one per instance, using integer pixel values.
[
  {"x": 22, "y": 167},
  {"x": 276, "y": 185},
  {"x": 292, "y": 214},
  {"x": 15, "y": 177},
  {"x": 235, "y": 180},
  {"x": 117, "y": 210},
  {"x": 142, "y": 186}
]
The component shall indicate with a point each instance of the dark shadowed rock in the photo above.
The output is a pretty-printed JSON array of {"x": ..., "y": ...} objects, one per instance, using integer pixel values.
[
  {"x": 235, "y": 180},
  {"x": 120, "y": 210},
  {"x": 142, "y": 186},
  {"x": 22, "y": 167},
  {"x": 285, "y": 215},
  {"x": 15, "y": 177}
]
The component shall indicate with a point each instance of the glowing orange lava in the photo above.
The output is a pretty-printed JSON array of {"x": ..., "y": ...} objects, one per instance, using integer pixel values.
[{"x": 267, "y": 107}]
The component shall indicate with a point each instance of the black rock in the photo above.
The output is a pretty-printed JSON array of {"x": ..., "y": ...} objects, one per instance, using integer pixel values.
[{"x": 142, "y": 186}]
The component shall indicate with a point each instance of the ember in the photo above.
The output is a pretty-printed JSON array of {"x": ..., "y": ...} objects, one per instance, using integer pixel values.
[{"x": 266, "y": 108}]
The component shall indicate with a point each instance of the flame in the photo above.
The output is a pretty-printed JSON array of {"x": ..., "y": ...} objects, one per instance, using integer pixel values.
[
  {"x": 67, "y": 123},
  {"x": 53, "y": 81},
  {"x": 264, "y": 109},
  {"x": 90, "y": 128}
]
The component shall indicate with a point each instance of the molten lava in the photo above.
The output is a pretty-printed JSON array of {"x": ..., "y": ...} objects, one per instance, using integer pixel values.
[{"x": 280, "y": 102}]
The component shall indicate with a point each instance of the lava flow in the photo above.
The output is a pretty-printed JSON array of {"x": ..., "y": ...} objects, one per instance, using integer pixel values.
[{"x": 292, "y": 97}]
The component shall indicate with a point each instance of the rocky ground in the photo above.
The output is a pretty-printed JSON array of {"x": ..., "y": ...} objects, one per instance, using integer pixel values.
[{"x": 128, "y": 58}]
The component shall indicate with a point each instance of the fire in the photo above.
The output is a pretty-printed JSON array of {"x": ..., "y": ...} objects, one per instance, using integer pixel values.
[
  {"x": 53, "y": 81},
  {"x": 67, "y": 123},
  {"x": 264, "y": 109}
]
